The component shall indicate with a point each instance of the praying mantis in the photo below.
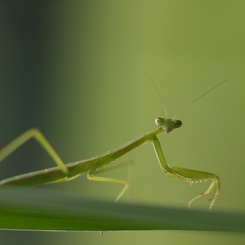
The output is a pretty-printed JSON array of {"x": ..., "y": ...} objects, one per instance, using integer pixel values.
[{"x": 98, "y": 164}]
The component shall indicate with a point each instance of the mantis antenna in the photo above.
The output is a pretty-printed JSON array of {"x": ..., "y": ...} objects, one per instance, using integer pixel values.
[
  {"x": 159, "y": 95},
  {"x": 199, "y": 97},
  {"x": 163, "y": 104}
]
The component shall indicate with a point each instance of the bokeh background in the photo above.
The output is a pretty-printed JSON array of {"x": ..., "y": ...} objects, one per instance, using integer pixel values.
[{"x": 78, "y": 70}]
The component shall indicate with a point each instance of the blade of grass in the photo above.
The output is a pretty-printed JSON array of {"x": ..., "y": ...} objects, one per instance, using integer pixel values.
[{"x": 41, "y": 210}]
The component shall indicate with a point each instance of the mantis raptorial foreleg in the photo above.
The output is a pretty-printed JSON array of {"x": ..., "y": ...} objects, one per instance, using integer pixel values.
[
  {"x": 190, "y": 175},
  {"x": 215, "y": 182}
]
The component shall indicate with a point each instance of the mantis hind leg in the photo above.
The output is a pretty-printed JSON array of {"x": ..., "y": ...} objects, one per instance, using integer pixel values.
[
  {"x": 90, "y": 176},
  {"x": 40, "y": 138}
]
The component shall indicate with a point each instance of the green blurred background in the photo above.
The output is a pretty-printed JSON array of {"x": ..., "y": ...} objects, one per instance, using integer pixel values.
[{"x": 78, "y": 70}]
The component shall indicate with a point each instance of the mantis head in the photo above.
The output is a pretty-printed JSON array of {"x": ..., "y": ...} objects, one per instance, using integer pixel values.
[{"x": 168, "y": 124}]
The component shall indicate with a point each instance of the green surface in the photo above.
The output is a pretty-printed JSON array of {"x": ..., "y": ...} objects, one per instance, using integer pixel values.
[{"x": 54, "y": 211}]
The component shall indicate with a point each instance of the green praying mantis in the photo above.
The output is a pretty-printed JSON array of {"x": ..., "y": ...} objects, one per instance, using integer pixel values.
[{"x": 98, "y": 164}]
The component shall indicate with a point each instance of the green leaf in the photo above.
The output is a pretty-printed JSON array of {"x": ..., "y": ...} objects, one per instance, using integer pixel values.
[{"x": 41, "y": 210}]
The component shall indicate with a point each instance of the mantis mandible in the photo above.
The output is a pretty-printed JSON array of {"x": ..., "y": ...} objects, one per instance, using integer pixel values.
[{"x": 98, "y": 164}]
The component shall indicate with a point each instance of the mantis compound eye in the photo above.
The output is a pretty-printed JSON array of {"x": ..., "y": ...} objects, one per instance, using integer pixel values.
[
  {"x": 160, "y": 121},
  {"x": 177, "y": 123}
]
